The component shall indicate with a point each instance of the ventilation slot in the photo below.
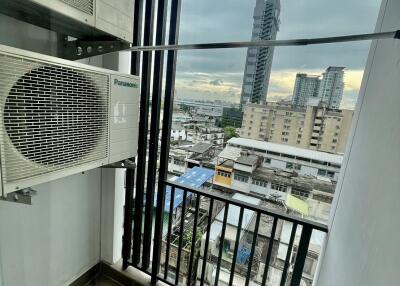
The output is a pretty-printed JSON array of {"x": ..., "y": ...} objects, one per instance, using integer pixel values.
[
  {"x": 85, "y": 6},
  {"x": 54, "y": 117}
]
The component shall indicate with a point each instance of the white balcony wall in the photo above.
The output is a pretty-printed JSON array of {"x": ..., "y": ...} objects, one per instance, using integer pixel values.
[
  {"x": 363, "y": 244},
  {"x": 57, "y": 238}
]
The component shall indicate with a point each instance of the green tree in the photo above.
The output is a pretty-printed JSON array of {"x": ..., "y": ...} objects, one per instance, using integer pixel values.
[{"x": 230, "y": 132}]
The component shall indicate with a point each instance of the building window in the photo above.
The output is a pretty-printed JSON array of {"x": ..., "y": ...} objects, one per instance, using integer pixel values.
[
  {"x": 279, "y": 187},
  {"x": 321, "y": 172},
  {"x": 297, "y": 167},
  {"x": 308, "y": 266},
  {"x": 300, "y": 193},
  {"x": 323, "y": 198},
  {"x": 241, "y": 178},
  {"x": 179, "y": 162},
  {"x": 267, "y": 160},
  {"x": 224, "y": 174},
  {"x": 299, "y": 136},
  {"x": 259, "y": 183},
  {"x": 334, "y": 140},
  {"x": 289, "y": 165}
]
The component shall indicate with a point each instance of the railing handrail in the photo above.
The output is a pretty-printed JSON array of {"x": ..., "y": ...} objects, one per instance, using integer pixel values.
[{"x": 256, "y": 208}]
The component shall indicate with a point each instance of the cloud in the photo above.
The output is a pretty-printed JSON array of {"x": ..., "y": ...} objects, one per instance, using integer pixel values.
[
  {"x": 209, "y": 86},
  {"x": 352, "y": 80},
  {"x": 217, "y": 82}
]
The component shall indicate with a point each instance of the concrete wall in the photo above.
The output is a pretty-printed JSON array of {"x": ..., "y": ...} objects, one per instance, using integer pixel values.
[
  {"x": 363, "y": 244},
  {"x": 58, "y": 238}
]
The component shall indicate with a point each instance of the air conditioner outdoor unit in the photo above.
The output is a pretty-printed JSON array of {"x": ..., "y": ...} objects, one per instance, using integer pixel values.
[
  {"x": 60, "y": 118},
  {"x": 77, "y": 18}
]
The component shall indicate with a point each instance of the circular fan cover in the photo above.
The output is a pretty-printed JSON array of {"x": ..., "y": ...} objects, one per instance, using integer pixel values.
[{"x": 53, "y": 115}]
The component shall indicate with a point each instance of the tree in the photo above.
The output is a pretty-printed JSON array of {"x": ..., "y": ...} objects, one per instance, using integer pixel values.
[{"x": 230, "y": 132}]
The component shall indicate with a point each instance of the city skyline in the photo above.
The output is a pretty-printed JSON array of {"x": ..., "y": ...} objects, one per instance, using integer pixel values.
[
  {"x": 217, "y": 74},
  {"x": 326, "y": 88}
]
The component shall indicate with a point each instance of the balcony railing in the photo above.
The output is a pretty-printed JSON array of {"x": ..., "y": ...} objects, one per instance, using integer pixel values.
[
  {"x": 188, "y": 251},
  {"x": 192, "y": 253}
]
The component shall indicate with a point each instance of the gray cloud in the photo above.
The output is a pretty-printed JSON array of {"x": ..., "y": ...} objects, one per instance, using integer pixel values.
[{"x": 217, "y": 82}]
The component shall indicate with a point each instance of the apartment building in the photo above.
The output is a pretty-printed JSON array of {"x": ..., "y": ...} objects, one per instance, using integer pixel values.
[
  {"x": 305, "y": 87},
  {"x": 210, "y": 135},
  {"x": 327, "y": 88},
  {"x": 259, "y": 60},
  {"x": 304, "y": 161},
  {"x": 331, "y": 87},
  {"x": 313, "y": 127}
]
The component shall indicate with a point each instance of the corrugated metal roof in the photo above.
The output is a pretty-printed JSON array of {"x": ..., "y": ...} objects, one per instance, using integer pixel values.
[
  {"x": 286, "y": 149},
  {"x": 195, "y": 178}
]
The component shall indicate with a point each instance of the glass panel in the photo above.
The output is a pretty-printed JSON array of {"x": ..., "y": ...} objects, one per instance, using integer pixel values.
[{"x": 298, "y": 19}]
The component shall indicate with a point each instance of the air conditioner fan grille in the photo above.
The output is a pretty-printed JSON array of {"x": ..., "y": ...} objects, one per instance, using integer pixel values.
[
  {"x": 85, "y": 6},
  {"x": 55, "y": 117}
]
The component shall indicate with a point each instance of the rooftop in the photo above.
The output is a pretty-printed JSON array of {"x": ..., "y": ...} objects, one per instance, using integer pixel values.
[
  {"x": 249, "y": 160},
  {"x": 284, "y": 149},
  {"x": 308, "y": 183},
  {"x": 200, "y": 148}
]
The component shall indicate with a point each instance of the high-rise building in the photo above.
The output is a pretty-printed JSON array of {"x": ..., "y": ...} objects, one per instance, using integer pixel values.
[
  {"x": 305, "y": 87},
  {"x": 311, "y": 127},
  {"x": 259, "y": 60},
  {"x": 331, "y": 87}
]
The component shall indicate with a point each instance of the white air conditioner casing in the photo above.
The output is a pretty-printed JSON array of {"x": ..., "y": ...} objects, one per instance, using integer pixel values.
[
  {"x": 60, "y": 118},
  {"x": 78, "y": 18}
]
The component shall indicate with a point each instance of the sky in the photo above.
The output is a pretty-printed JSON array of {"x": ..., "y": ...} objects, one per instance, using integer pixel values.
[{"x": 218, "y": 74}]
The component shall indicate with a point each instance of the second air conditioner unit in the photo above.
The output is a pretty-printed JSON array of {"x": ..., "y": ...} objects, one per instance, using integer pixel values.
[
  {"x": 77, "y": 18},
  {"x": 60, "y": 117}
]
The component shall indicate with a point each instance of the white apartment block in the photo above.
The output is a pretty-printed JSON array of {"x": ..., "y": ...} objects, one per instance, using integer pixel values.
[
  {"x": 311, "y": 127},
  {"x": 331, "y": 87},
  {"x": 305, "y": 162},
  {"x": 305, "y": 86},
  {"x": 212, "y": 135}
]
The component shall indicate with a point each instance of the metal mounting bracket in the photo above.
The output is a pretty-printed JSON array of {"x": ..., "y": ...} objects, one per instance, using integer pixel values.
[
  {"x": 126, "y": 164},
  {"x": 76, "y": 49},
  {"x": 23, "y": 196}
]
